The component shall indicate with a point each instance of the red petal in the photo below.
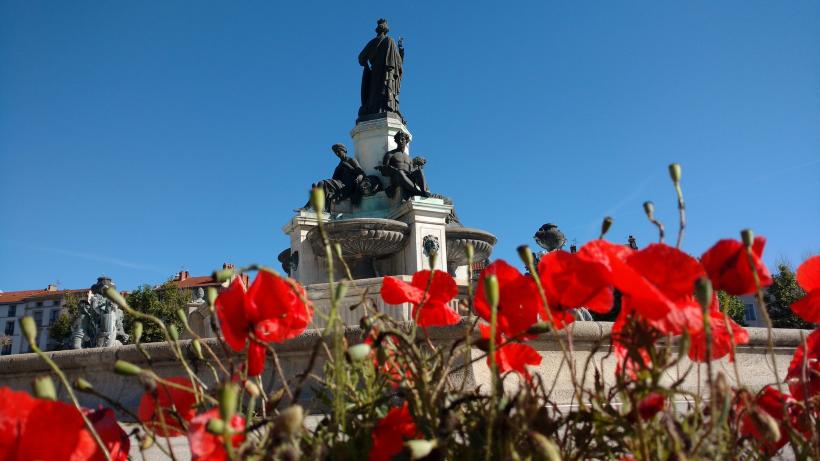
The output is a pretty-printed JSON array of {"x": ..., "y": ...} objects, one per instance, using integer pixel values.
[
  {"x": 256, "y": 359},
  {"x": 230, "y": 309},
  {"x": 808, "y": 307},
  {"x": 808, "y": 274},
  {"x": 273, "y": 299},
  {"x": 395, "y": 291},
  {"x": 442, "y": 288},
  {"x": 209, "y": 447},
  {"x": 795, "y": 374},
  {"x": 728, "y": 266},
  {"x": 571, "y": 282},
  {"x": 721, "y": 339},
  {"x": 390, "y": 433},
  {"x": 515, "y": 357},
  {"x": 435, "y": 315},
  {"x": 167, "y": 398},
  {"x": 116, "y": 440}
]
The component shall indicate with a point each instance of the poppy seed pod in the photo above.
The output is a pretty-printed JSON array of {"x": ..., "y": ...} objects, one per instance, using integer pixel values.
[
  {"x": 703, "y": 292},
  {"x": 212, "y": 294},
  {"x": 29, "y": 329},
  {"x": 197, "y": 347},
  {"x": 317, "y": 199},
  {"x": 420, "y": 448},
  {"x": 121, "y": 367},
  {"x": 539, "y": 328},
  {"x": 545, "y": 447},
  {"x": 358, "y": 352},
  {"x": 748, "y": 237},
  {"x": 526, "y": 256},
  {"x": 649, "y": 209},
  {"x": 44, "y": 388},
  {"x": 228, "y": 398},
  {"x": 252, "y": 389},
  {"x": 675, "y": 172},
  {"x": 221, "y": 276},
  {"x": 215, "y": 426},
  {"x": 605, "y": 225},
  {"x": 173, "y": 332},
  {"x": 183, "y": 317},
  {"x": 491, "y": 290},
  {"x": 82, "y": 385}
]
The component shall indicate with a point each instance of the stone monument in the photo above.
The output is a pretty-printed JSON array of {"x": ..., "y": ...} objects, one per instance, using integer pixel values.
[
  {"x": 99, "y": 322},
  {"x": 379, "y": 206}
]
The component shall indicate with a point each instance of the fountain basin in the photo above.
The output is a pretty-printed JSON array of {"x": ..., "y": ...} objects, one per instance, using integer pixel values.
[{"x": 457, "y": 240}]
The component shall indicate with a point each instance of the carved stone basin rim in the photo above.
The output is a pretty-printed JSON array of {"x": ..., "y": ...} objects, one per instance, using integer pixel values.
[
  {"x": 459, "y": 237},
  {"x": 362, "y": 237}
]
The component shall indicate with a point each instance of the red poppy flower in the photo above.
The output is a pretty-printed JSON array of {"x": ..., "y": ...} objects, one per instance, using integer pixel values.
[
  {"x": 27, "y": 430},
  {"x": 519, "y": 302},
  {"x": 795, "y": 378},
  {"x": 808, "y": 277},
  {"x": 390, "y": 433},
  {"x": 728, "y": 266},
  {"x": 169, "y": 401},
  {"x": 571, "y": 282},
  {"x": 429, "y": 311},
  {"x": 206, "y": 446},
  {"x": 650, "y": 405},
  {"x": 772, "y": 402},
  {"x": 274, "y": 309},
  {"x": 389, "y": 367},
  {"x": 510, "y": 356},
  {"x": 721, "y": 338}
]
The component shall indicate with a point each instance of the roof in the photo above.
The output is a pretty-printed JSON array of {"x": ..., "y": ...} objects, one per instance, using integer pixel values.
[
  {"x": 193, "y": 282},
  {"x": 17, "y": 296}
]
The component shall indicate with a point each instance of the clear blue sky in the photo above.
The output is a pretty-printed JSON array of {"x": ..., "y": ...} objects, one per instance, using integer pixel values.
[{"x": 140, "y": 138}]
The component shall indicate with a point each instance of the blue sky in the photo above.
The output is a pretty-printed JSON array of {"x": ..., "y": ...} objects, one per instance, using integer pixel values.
[{"x": 141, "y": 138}]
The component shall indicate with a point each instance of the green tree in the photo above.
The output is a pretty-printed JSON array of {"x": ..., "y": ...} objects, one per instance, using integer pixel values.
[
  {"x": 162, "y": 302},
  {"x": 60, "y": 331},
  {"x": 780, "y": 295},
  {"x": 733, "y": 306}
]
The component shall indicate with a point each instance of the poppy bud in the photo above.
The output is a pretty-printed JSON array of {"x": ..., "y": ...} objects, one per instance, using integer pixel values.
[
  {"x": 173, "y": 332},
  {"x": 121, "y": 367},
  {"x": 274, "y": 398},
  {"x": 748, "y": 237},
  {"x": 183, "y": 317},
  {"x": 29, "y": 329},
  {"x": 766, "y": 424},
  {"x": 137, "y": 332},
  {"x": 337, "y": 248},
  {"x": 605, "y": 225},
  {"x": 197, "y": 347},
  {"x": 526, "y": 256},
  {"x": 115, "y": 297},
  {"x": 317, "y": 199},
  {"x": 649, "y": 209},
  {"x": 358, "y": 352},
  {"x": 432, "y": 256},
  {"x": 82, "y": 385},
  {"x": 215, "y": 426},
  {"x": 539, "y": 328},
  {"x": 44, "y": 388},
  {"x": 545, "y": 447},
  {"x": 145, "y": 440},
  {"x": 703, "y": 292},
  {"x": 674, "y": 172},
  {"x": 420, "y": 448},
  {"x": 252, "y": 389},
  {"x": 289, "y": 421},
  {"x": 228, "y": 398},
  {"x": 221, "y": 276},
  {"x": 211, "y": 295},
  {"x": 341, "y": 291},
  {"x": 470, "y": 252},
  {"x": 651, "y": 405},
  {"x": 491, "y": 290}
]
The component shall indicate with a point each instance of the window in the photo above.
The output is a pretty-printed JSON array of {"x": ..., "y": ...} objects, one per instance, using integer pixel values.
[
  {"x": 38, "y": 318},
  {"x": 6, "y": 349},
  {"x": 10, "y": 328},
  {"x": 53, "y": 316},
  {"x": 751, "y": 315},
  {"x": 39, "y": 304},
  {"x": 12, "y": 311}
]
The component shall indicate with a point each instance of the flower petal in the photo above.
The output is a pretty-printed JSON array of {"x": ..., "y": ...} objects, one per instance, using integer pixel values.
[
  {"x": 256, "y": 358},
  {"x": 230, "y": 309},
  {"x": 808, "y": 274},
  {"x": 395, "y": 291}
]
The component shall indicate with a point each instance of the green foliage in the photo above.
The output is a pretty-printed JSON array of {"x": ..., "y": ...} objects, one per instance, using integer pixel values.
[
  {"x": 161, "y": 302},
  {"x": 60, "y": 331},
  {"x": 733, "y": 306},
  {"x": 781, "y": 294}
]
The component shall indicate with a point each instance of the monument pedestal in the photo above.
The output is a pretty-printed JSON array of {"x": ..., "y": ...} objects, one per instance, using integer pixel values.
[{"x": 373, "y": 138}]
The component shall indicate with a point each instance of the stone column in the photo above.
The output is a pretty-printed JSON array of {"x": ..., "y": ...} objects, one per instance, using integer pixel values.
[
  {"x": 373, "y": 138},
  {"x": 307, "y": 271},
  {"x": 426, "y": 217}
]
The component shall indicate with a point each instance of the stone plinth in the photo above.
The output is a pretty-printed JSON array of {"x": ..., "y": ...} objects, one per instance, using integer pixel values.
[
  {"x": 373, "y": 138},
  {"x": 426, "y": 217},
  {"x": 306, "y": 269}
]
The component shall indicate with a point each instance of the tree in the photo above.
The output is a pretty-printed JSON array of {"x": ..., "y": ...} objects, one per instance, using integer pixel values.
[
  {"x": 733, "y": 306},
  {"x": 161, "y": 302},
  {"x": 780, "y": 295},
  {"x": 60, "y": 331}
]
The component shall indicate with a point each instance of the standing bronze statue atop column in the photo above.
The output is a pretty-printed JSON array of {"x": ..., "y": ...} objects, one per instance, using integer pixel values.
[{"x": 382, "y": 60}]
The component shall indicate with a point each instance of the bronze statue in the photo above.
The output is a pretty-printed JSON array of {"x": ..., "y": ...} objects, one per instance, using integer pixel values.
[
  {"x": 405, "y": 175},
  {"x": 382, "y": 60},
  {"x": 345, "y": 181}
]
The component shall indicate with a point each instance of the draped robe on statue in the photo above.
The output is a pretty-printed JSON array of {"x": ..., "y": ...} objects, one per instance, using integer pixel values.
[{"x": 381, "y": 79}]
